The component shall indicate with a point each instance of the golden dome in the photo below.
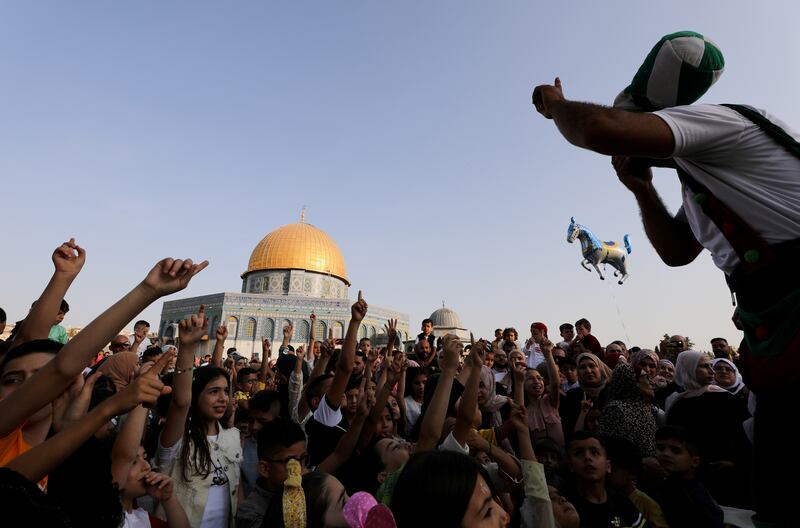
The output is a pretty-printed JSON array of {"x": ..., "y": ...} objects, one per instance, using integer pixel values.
[{"x": 298, "y": 246}]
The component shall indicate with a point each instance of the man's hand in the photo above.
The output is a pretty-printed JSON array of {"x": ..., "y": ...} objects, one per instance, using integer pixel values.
[
  {"x": 222, "y": 333},
  {"x": 634, "y": 173},
  {"x": 476, "y": 351},
  {"x": 327, "y": 347},
  {"x": 518, "y": 417},
  {"x": 391, "y": 331},
  {"x": 69, "y": 258},
  {"x": 193, "y": 328},
  {"x": 547, "y": 346},
  {"x": 288, "y": 330},
  {"x": 170, "y": 275},
  {"x": 359, "y": 308},
  {"x": 266, "y": 348},
  {"x": 477, "y": 442},
  {"x": 545, "y": 96}
]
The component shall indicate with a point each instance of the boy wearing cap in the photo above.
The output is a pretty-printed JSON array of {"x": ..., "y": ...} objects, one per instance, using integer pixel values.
[{"x": 532, "y": 348}]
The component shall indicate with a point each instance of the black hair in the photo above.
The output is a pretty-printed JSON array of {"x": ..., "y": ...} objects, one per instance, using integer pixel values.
[
  {"x": 278, "y": 434},
  {"x": 151, "y": 354},
  {"x": 679, "y": 434},
  {"x": 498, "y": 330},
  {"x": 412, "y": 373},
  {"x": 314, "y": 386},
  {"x": 361, "y": 354},
  {"x": 246, "y": 371},
  {"x": 241, "y": 415},
  {"x": 425, "y": 321},
  {"x": 354, "y": 383},
  {"x": 567, "y": 362},
  {"x": 509, "y": 330},
  {"x": 142, "y": 322},
  {"x": 436, "y": 477},
  {"x": 565, "y": 326},
  {"x": 623, "y": 453},
  {"x": 584, "y": 322},
  {"x": 548, "y": 445},
  {"x": 264, "y": 401},
  {"x": 2, "y": 316},
  {"x": 196, "y": 430},
  {"x": 364, "y": 339},
  {"x": 313, "y": 485},
  {"x": 585, "y": 435},
  {"x": 47, "y": 346},
  {"x": 103, "y": 389},
  {"x": 64, "y": 308}
]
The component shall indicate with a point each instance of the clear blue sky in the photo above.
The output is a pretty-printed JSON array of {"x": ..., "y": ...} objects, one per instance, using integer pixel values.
[{"x": 194, "y": 128}]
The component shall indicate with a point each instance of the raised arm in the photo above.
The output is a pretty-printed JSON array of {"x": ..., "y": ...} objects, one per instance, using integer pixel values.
[
  {"x": 288, "y": 330},
  {"x": 393, "y": 371},
  {"x": 431, "y": 429},
  {"x": 168, "y": 276},
  {"x": 672, "y": 238},
  {"x": 344, "y": 367},
  {"x": 190, "y": 331},
  {"x": 469, "y": 399},
  {"x": 68, "y": 259},
  {"x": 313, "y": 318},
  {"x": 347, "y": 443},
  {"x": 553, "y": 378},
  {"x": 266, "y": 356},
  {"x": 604, "y": 130},
  {"x": 219, "y": 346},
  {"x": 45, "y": 457}
]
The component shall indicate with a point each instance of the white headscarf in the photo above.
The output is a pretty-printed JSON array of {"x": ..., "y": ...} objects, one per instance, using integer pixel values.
[
  {"x": 686, "y": 377},
  {"x": 738, "y": 384}
]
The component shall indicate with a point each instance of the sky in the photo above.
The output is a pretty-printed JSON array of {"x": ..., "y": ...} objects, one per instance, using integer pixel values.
[{"x": 193, "y": 129}]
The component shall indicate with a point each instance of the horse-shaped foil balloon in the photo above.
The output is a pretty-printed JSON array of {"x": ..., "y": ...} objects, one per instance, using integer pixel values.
[{"x": 597, "y": 252}]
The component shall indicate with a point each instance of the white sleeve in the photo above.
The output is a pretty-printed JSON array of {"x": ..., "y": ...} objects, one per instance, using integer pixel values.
[
  {"x": 703, "y": 132},
  {"x": 451, "y": 444},
  {"x": 166, "y": 456},
  {"x": 327, "y": 416}
]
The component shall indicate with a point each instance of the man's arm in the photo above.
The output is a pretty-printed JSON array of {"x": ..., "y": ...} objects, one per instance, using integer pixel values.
[
  {"x": 604, "y": 130},
  {"x": 344, "y": 367},
  {"x": 672, "y": 239},
  {"x": 266, "y": 357},
  {"x": 68, "y": 259},
  {"x": 469, "y": 400},
  {"x": 168, "y": 276}
]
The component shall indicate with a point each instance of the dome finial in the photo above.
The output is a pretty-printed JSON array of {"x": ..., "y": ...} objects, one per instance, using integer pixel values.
[
  {"x": 303, "y": 215},
  {"x": 442, "y": 303}
]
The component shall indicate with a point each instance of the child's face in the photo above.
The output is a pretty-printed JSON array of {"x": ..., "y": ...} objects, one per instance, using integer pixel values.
[
  {"x": 385, "y": 426},
  {"x": 59, "y": 317},
  {"x": 675, "y": 458},
  {"x": 551, "y": 461},
  {"x": 134, "y": 486},
  {"x": 570, "y": 372},
  {"x": 568, "y": 334},
  {"x": 587, "y": 459},
  {"x": 274, "y": 470}
]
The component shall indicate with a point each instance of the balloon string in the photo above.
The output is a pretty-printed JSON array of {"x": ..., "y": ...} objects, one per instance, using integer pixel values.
[{"x": 619, "y": 313}]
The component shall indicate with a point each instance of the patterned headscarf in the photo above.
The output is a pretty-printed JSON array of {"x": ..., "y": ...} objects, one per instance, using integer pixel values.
[
  {"x": 639, "y": 355},
  {"x": 294, "y": 498},
  {"x": 624, "y": 385}
]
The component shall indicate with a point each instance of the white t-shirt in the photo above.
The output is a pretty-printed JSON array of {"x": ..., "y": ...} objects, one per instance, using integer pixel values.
[
  {"x": 137, "y": 518},
  {"x": 742, "y": 166},
  {"x": 533, "y": 353},
  {"x": 413, "y": 410},
  {"x": 327, "y": 416},
  {"x": 218, "y": 505}
]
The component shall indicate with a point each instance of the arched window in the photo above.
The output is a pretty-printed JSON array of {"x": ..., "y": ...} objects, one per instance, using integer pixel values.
[
  {"x": 372, "y": 332},
  {"x": 338, "y": 329},
  {"x": 250, "y": 328},
  {"x": 268, "y": 329},
  {"x": 212, "y": 327},
  {"x": 233, "y": 326},
  {"x": 320, "y": 330},
  {"x": 169, "y": 333},
  {"x": 301, "y": 330},
  {"x": 362, "y": 332}
]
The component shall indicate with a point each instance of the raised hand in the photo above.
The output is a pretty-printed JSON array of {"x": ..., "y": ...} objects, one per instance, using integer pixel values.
[
  {"x": 146, "y": 388},
  {"x": 288, "y": 330},
  {"x": 452, "y": 352},
  {"x": 193, "y": 328},
  {"x": 545, "y": 96},
  {"x": 300, "y": 352},
  {"x": 391, "y": 331},
  {"x": 546, "y": 345},
  {"x": 634, "y": 174},
  {"x": 171, "y": 275},
  {"x": 158, "y": 485},
  {"x": 586, "y": 404},
  {"x": 69, "y": 258},
  {"x": 359, "y": 309},
  {"x": 518, "y": 417},
  {"x": 394, "y": 368},
  {"x": 477, "y": 442},
  {"x": 327, "y": 347},
  {"x": 313, "y": 318},
  {"x": 222, "y": 333},
  {"x": 477, "y": 351},
  {"x": 266, "y": 348}
]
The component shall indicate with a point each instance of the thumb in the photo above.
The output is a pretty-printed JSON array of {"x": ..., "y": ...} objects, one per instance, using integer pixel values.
[
  {"x": 161, "y": 365},
  {"x": 558, "y": 83}
]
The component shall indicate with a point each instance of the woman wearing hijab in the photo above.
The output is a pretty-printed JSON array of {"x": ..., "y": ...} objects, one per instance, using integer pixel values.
[
  {"x": 713, "y": 417},
  {"x": 593, "y": 375},
  {"x": 628, "y": 412}
]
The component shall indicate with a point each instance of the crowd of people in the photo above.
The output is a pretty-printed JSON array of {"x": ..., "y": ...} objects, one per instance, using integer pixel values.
[{"x": 514, "y": 431}]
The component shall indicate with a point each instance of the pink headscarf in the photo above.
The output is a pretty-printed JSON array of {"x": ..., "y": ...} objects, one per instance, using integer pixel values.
[{"x": 121, "y": 367}]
